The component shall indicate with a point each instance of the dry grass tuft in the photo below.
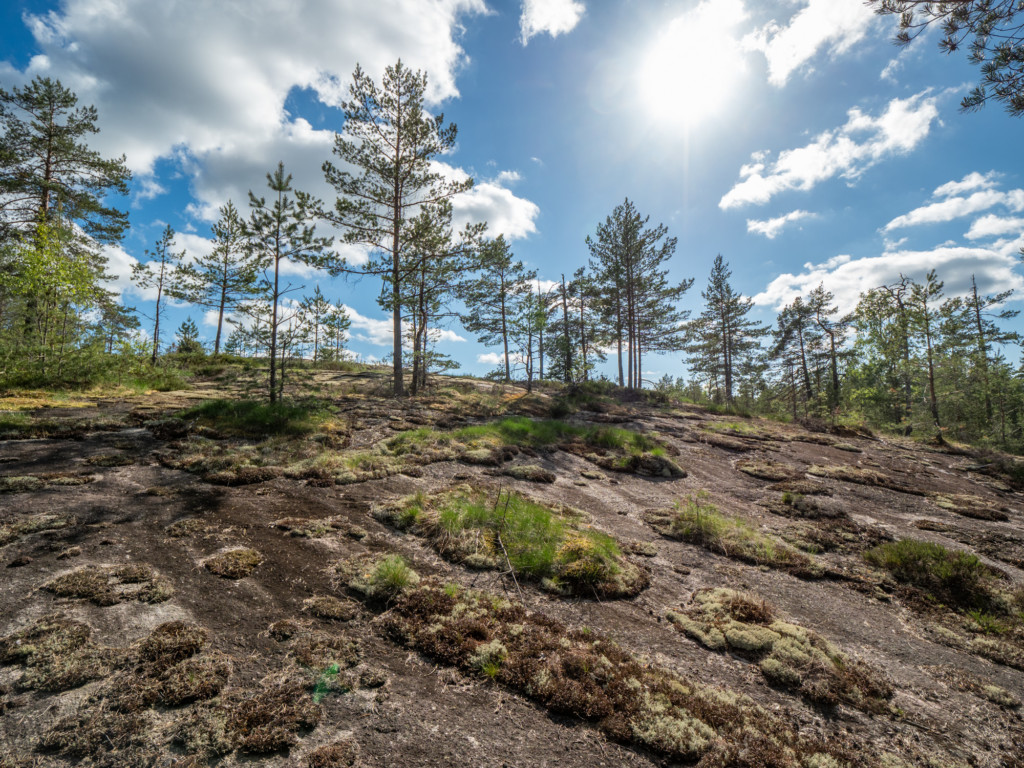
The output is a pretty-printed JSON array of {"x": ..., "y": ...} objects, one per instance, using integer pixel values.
[
  {"x": 331, "y": 608},
  {"x": 109, "y": 585},
  {"x": 234, "y": 564},
  {"x": 340, "y": 754},
  {"x": 58, "y": 654}
]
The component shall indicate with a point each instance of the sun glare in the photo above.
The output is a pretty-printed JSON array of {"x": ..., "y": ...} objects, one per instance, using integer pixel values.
[{"x": 691, "y": 70}]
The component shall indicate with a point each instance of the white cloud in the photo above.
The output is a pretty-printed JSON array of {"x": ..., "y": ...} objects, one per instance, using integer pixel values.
[
  {"x": 146, "y": 188},
  {"x": 119, "y": 265},
  {"x": 161, "y": 80},
  {"x": 504, "y": 213},
  {"x": 968, "y": 183},
  {"x": 831, "y": 25},
  {"x": 491, "y": 358},
  {"x": 949, "y": 209},
  {"x": 954, "y": 206},
  {"x": 993, "y": 226},
  {"x": 369, "y": 329},
  {"x": 555, "y": 17},
  {"x": 847, "y": 151},
  {"x": 211, "y": 96},
  {"x": 770, "y": 228},
  {"x": 847, "y": 278},
  {"x": 445, "y": 334}
]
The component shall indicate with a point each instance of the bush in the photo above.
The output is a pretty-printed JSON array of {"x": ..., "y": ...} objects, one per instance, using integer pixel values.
[{"x": 958, "y": 577}]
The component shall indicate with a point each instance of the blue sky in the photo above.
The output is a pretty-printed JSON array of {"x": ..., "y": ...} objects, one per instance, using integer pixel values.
[{"x": 792, "y": 137}]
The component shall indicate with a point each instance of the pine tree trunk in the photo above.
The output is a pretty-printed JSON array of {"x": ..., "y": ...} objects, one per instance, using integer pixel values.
[
  {"x": 273, "y": 329},
  {"x": 565, "y": 325},
  {"x": 396, "y": 221}
]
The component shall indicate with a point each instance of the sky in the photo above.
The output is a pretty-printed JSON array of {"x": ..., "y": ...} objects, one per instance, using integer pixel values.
[{"x": 790, "y": 136}]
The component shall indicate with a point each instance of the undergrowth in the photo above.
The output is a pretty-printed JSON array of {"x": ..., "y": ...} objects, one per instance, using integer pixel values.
[
  {"x": 580, "y": 674},
  {"x": 698, "y": 521},
  {"x": 507, "y": 530}
]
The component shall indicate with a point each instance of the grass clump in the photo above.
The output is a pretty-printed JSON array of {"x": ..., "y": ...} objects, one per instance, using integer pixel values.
[
  {"x": 377, "y": 578},
  {"x": 339, "y": 754},
  {"x": 958, "y": 578},
  {"x": 234, "y": 564},
  {"x": 270, "y": 719},
  {"x": 264, "y": 720},
  {"x": 57, "y": 653},
  {"x": 330, "y": 608},
  {"x": 109, "y": 585},
  {"x": 11, "y": 532},
  {"x": 255, "y": 418},
  {"x": 698, "y": 521},
  {"x": 582, "y": 675},
  {"x": 788, "y": 655},
  {"x": 541, "y": 544}
]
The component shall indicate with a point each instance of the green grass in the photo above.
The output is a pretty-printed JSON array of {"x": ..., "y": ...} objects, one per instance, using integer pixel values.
[
  {"x": 14, "y": 421},
  {"x": 251, "y": 418},
  {"x": 524, "y": 432},
  {"x": 540, "y": 544},
  {"x": 700, "y": 522},
  {"x": 957, "y": 577},
  {"x": 390, "y": 576}
]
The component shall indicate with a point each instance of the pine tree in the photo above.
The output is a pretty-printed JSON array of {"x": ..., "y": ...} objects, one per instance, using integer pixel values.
[
  {"x": 924, "y": 324},
  {"x": 391, "y": 140},
  {"x": 984, "y": 317},
  {"x": 47, "y": 169},
  {"x": 280, "y": 232},
  {"x": 722, "y": 339},
  {"x": 638, "y": 303},
  {"x": 159, "y": 272},
  {"x": 338, "y": 323},
  {"x": 187, "y": 337},
  {"x": 822, "y": 307},
  {"x": 794, "y": 339},
  {"x": 315, "y": 311},
  {"x": 226, "y": 276},
  {"x": 494, "y": 296},
  {"x": 433, "y": 268}
]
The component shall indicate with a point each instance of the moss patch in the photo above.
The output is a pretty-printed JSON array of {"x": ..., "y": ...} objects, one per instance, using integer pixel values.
[
  {"x": 968, "y": 505},
  {"x": 788, "y": 655},
  {"x": 11, "y": 532},
  {"x": 580, "y": 674},
  {"x": 769, "y": 470},
  {"x": 862, "y": 476},
  {"x": 330, "y": 608},
  {"x": 531, "y": 473}
]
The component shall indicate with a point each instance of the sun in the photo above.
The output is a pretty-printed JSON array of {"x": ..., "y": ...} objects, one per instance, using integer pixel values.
[{"x": 693, "y": 66}]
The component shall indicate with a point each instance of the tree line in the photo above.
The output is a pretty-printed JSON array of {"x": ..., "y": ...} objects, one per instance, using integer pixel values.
[{"x": 907, "y": 357}]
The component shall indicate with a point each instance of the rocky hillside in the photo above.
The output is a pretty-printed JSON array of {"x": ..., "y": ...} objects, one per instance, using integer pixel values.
[{"x": 193, "y": 579}]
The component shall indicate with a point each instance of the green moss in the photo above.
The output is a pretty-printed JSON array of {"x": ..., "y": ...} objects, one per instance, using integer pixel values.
[
  {"x": 585, "y": 676},
  {"x": 787, "y": 655}
]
